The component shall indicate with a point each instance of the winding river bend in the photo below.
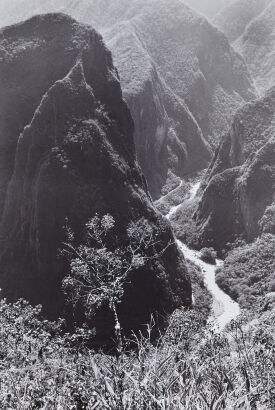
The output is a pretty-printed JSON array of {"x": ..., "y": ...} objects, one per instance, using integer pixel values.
[{"x": 224, "y": 309}]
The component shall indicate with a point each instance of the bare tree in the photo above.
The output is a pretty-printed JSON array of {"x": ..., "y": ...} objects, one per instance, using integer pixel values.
[{"x": 100, "y": 268}]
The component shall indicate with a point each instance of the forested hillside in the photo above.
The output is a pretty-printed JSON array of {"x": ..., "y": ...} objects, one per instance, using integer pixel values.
[
  {"x": 240, "y": 183},
  {"x": 137, "y": 204},
  {"x": 182, "y": 84},
  {"x": 67, "y": 155}
]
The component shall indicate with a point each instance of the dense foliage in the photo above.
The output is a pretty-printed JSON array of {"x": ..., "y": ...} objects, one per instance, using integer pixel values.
[
  {"x": 249, "y": 272},
  {"x": 176, "y": 196},
  {"x": 202, "y": 298},
  {"x": 184, "y": 224},
  {"x": 208, "y": 255},
  {"x": 43, "y": 367}
]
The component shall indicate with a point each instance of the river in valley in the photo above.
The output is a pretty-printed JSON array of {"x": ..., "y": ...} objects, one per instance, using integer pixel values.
[{"x": 224, "y": 309}]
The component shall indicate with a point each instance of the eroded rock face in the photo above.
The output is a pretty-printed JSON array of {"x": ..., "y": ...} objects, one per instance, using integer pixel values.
[
  {"x": 238, "y": 201},
  {"x": 67, "y": 151},
  {"x": 194, "y": 63},
  {"x": 180, "y": 77},
  {"x": 167, "y": 136}
]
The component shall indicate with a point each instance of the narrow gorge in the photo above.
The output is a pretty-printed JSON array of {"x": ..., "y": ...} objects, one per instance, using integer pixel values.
[
  {"x": 137, "y": 204},
  {"x": 223, "y": 308}
]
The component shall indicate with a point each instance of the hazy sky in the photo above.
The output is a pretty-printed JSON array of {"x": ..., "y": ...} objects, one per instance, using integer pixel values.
[{"x": 11, "y": 9}]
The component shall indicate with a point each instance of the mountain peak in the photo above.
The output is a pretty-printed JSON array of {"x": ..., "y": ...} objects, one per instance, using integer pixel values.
[{"x": 67, "y": 154}]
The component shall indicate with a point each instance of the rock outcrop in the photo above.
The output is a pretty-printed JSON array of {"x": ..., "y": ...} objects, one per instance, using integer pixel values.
[
  {"x": 238, "y": 201},
  {"x": 67, "y": 151},
  {"x": 180, "y": 77}
]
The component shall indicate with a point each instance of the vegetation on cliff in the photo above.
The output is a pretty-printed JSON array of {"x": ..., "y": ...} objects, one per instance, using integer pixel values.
[
  {"x": 182, "y": 84},
  {"x": 238, "y": 198},
  {"x": 248, "y": 273},
  {"x": 128, "y": 318},
  {"x": 72, "y": 156}
]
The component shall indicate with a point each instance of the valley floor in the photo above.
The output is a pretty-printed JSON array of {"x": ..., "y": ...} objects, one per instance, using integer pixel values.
[
  {"x": 224, "y": 309},
  {"x": 190, "y": 367}
]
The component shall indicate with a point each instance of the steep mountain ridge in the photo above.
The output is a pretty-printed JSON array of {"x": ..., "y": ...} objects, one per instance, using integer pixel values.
[
  {"x": 206, "y": 84},
  {"x": 71, "y": 155},
  {"x": 167, "y": 136},
  {"x": 238, "y": 201},
  {"x": 183, "y": 84}
]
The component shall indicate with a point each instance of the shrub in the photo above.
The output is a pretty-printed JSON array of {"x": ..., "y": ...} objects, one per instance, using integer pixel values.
[
  {"x": 184, "y": 224},
  {"x": 208, "y": 255},
  {"x": 201, "y": 296}
]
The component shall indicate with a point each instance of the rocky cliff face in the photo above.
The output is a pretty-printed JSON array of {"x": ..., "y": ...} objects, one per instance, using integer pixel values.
[
  {"x": 167, "y": 136},
  {"x": 193, "y": 60},
  {"x": 67, "y": 151},
  {"x": 238, "y": 201},
  {"x": 180, "y": 77}
]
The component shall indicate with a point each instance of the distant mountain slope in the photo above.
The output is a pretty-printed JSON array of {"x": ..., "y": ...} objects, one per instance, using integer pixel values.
[
  {"x": 239, "y": 198},
  {"x": 208, "y": 7},
  {"x": 194, "y": 59},
  {"x": 167, "y": 136},
  {"x": 180, "y": 77},
  {"x": 249, "y": 25},
  {"x": 212, "y": 84},
  {"x": 234, "y": 18},
  {"x": 257, "y": 46},
  {"x": 67, "y": 153}
]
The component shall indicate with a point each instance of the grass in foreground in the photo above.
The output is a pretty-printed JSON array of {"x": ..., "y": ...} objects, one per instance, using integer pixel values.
[{"x": 188, "y": 368}]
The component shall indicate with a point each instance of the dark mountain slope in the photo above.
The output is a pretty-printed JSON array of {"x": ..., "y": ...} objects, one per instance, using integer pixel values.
[
  {"x": 69, "y": 136},
  {"x": 181, "y": 79},
  {"x": 237, "y": 201}
]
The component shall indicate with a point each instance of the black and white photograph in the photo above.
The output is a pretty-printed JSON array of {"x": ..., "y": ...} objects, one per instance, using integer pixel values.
[{"x": 137, "y": 204}]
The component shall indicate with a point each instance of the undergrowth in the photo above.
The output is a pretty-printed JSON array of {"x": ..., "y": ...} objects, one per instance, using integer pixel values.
[{"x": 189, "y": 367}]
